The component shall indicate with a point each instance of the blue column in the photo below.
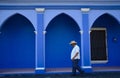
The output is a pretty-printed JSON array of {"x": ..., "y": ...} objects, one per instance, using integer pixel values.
[
  {"x": 40, "y": 38},
  {"x": 85, "y": 42}
]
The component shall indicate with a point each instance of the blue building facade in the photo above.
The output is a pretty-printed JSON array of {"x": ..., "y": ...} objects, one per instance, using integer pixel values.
[{"x": 37, "y": 35}]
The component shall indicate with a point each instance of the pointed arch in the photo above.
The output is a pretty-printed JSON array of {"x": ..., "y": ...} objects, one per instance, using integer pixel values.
[
  {"x": 102, "y": 19},
  {"x": 15, "y": 15},
  {"x": 64, "y": 15},
  {"x": 60, "y": 31},
  {"x": 112, "y": 38},
  {"x": 94, "y": 14},
  {"x": 74, "y": 14},
  {"x": 17, "y": 43},
  {"x": 11, "y": 15}
]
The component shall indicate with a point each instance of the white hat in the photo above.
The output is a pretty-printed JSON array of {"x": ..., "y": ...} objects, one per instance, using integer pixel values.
[{"x": 72, "y": 42}]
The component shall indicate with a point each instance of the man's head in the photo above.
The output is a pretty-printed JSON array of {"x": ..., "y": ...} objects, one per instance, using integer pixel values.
[{"x": 73, "y": 43}]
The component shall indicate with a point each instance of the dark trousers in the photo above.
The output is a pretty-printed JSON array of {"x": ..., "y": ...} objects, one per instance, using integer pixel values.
[{"x": 75, "y": 66}]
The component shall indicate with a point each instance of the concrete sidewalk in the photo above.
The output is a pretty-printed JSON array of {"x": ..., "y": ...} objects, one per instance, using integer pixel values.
[{"x": 86, "y": 75}]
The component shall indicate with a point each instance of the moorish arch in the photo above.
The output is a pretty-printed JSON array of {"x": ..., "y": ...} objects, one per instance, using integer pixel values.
[
  {"x": 112, "y": 38},
  {"x": 59, "y": 32},
  {"x": 74, "y": 14},
  {"x": 95, "y": 14},
  {"x": 17, "y": 43},
  {"x": 6, "y": 14}
]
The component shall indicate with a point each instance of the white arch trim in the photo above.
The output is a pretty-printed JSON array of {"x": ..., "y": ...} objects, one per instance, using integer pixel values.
[
  {"x": 30, "y": 15},
  {"x": 94, "y": 14},
  {"x": 50, "y": 14}
]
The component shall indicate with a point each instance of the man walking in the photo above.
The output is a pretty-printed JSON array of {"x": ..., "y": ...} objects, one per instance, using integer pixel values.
[{"x": 75, "y": 57}]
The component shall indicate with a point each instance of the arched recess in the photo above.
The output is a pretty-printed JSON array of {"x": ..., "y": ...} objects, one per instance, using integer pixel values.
[
  {"x": 5, "y": 14},
  {"x": 60, "y": 31},
  {"x": 51, "y": 14},
  {"x": 95, "y": 14},
  {"x": 17, "y": 43},
  {"x": 112, "y": 27}
]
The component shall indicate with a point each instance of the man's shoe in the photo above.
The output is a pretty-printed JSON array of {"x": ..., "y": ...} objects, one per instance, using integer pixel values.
[
  {"x": 73, "y": 75},
  {"x": 82, "y": 72}
]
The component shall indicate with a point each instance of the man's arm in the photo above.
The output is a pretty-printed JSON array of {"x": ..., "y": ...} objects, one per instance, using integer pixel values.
[{"x": 75, "y": 56}]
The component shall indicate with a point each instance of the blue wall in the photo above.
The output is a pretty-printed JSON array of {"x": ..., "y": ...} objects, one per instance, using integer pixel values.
[
  {"x": 113, "y": 32},
  {"x": 17, "y": 38},
  {"x": 60, "y": 31},
  {"x": 17, "y": 43}
]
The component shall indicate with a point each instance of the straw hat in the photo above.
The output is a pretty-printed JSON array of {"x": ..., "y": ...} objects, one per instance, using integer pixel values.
[{"x": 72, "y": 42}]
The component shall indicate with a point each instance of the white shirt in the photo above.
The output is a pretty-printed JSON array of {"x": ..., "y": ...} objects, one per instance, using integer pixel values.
[{"x": 74, "y": 51}]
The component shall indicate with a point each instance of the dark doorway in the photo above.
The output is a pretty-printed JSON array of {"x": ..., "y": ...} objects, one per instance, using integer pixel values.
[
  {"x": 98, "y": 45},
  {"x": 60, "y": 31},
  {"x": 17, "y": 43}
]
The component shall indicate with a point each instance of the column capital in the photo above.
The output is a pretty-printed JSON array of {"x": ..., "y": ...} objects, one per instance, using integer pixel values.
[
  {"x": 85, "y": 10},
  {"x": 35, "y": 32},
  {"x": 89, "y": 31},
  {"x": 40, "y": 10},
  {"x": 44, "y": 32},
  {"x": 81, "y": 31}
]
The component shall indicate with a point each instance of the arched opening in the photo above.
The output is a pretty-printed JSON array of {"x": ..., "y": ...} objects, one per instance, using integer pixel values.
[
  {"x": 112, "y": 41},
  {"x": 17, "y": 43},
  {"x": 60, "y": 31}
]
